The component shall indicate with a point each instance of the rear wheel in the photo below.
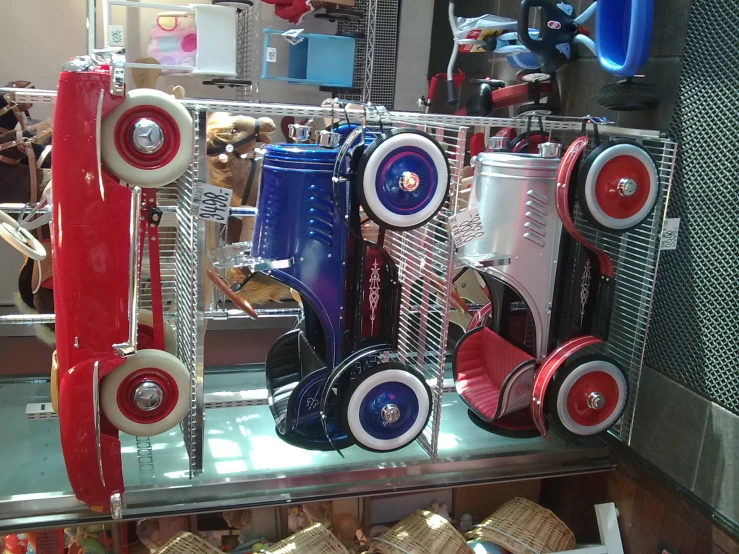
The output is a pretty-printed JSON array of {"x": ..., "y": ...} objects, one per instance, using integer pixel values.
[
  {"x": 147, "y": 139},
  {"x": 587, "y": 395},
  {"x": 618, "y": 185},
  {"x": 386, "y": 408},
  {"x": 146, "y": 333},
  {"x": 146, "y": 395},
  {"x": 628, "y": 96}
]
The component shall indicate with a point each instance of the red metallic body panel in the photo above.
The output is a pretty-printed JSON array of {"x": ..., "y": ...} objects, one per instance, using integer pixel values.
[
  {"x": 547, "y": 370},
  {"x": 90, "y": 245},
  {"x": 564, "y": 173}
]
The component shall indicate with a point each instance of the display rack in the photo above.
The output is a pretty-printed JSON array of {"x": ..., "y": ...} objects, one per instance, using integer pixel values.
[{"x": 446, "y": 454}]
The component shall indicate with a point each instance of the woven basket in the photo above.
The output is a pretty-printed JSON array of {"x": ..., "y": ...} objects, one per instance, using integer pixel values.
[
  {"x": 524, "y": 527},
  {"x": 187, "y": 543},
  {"x": 315, "y": 539},
  {"x": 424, "y": 533}
]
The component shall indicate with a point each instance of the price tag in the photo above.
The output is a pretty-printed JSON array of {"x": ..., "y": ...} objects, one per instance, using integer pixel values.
[
  {"x": 670, "y": 232},
  {"x": 271, "y": 54},
  {"x": 115, "y": 35},
  {"x": 466, "y": 227},
  {"x": 213, "y": 202}
]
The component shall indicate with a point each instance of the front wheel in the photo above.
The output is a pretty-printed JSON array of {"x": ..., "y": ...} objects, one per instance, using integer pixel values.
[
  {"x": 146, "y": 395},
  {"x": 587, "y": 395},
  {"x": 403, "y": 179},
  {"x": 147, "y": 140},
  {"x": 386, "y": 408}
]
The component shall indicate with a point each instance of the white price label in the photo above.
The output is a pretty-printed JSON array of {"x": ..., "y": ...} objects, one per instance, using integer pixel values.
[
  {"x": 466, "y": 227},
  {"x": 115, "y": 35},
  {"x": 213, "y": 202},
  {"x": 670, "y": 230},
  {"x": 271, "y": 54}
]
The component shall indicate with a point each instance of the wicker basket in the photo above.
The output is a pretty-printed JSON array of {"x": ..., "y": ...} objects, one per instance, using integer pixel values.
[
  {"x": 424, "y": 533},
  {"x": 315, "y": 539},
  {"x": 524, "y": 527},
  {"x": 187, "y": 543}
]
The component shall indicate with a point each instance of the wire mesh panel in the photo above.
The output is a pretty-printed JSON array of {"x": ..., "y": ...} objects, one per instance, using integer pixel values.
[
  {"x": 424, "y": 259},
  {"x": 190, "y": 324},
  {"x": 695, "y": 337},
  {"x": 635, "y": 257},
  {"x": 247, "y": 51},
  {"x": 374, "y": 61}
]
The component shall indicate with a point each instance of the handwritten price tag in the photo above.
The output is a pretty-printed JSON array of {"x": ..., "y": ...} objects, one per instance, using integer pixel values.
[
  {"x": 213, "y": 202},
  {"x": 466, "y": 227}
]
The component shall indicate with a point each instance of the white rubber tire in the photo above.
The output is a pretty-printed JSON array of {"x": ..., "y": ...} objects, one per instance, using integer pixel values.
[
  {"x": 355, "y": 403},
  {"x": 20, "y": 239},
  {"x": 591, "y": 179},
  {"x": 148, "y": 178},
  {"x": 581, "y": 370},
  {"x": 157, "y": 359},
  {"x": 381, "y": 214},
  {"x": 146, "y": 318}
]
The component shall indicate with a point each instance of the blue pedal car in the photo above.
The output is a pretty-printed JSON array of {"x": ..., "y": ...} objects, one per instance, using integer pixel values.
[{"x": 331, "y": 383}]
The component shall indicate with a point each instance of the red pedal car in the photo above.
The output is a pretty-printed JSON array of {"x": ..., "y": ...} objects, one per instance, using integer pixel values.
[
  {"x": 114, "y": 369},
  {"x": 535, "y": 347}
]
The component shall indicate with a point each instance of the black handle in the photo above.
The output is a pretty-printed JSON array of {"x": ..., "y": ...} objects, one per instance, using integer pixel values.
[
  {"x": 557, "y": 28},
  {"x": 494, "y": 83},
  {"x": 451, "y": 93}
]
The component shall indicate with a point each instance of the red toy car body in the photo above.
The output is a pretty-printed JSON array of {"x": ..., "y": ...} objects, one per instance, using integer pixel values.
[{"x": 95, "y": 220}]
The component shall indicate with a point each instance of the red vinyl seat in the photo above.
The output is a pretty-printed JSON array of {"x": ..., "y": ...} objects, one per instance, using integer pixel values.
[{"x": 482, "y": 362}]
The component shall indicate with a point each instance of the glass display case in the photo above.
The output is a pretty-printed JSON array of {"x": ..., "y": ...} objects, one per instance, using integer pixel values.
[{"x": 228, "y": 451}]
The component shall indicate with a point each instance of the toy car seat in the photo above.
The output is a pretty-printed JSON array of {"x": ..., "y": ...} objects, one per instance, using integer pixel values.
[{"x": 484, "y": 379}]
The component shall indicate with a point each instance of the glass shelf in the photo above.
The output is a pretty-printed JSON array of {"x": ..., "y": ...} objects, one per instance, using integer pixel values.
[{"x": 246, "y": 463}]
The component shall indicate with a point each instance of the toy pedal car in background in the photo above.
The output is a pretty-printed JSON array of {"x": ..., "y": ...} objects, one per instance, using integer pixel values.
[
  {"x": 329, "y": 383},
  {"x": 551, "y": 290},
  {"x": 105, "y": 382}
]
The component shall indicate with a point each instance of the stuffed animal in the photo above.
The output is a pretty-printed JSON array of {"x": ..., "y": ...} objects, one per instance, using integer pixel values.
[
  {"x": 441, "y": 508},
  {"x": 22, "y": 543},
  {"x": 231, "y": 144},
  {"x": 240, "y": 520}
]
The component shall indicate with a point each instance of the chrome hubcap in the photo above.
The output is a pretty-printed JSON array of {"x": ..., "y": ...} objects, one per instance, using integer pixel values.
[
  {"x": 390, "y": 413},
  {"x": 148, "y": 396},
  {"x": 627, "y": 187},
  {"x": 596, "y": 400},
  {"x": 148, "y": 136},
  {"x": 409, "y": 181}
]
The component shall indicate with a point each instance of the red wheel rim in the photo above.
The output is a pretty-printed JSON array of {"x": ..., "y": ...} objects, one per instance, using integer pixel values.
[
  {"x": 610, "y": 200},
  {"x": 170, "y": 395},
  {"x": 577, "y": 398},
  {"x": 145, "y": 337},
  {"x": 124, "y": 143}
]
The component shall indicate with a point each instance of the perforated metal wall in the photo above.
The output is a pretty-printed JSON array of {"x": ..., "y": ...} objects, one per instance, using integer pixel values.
[
  {"x": 382, "y": 82},
  {"x": 694, "y": 337}
]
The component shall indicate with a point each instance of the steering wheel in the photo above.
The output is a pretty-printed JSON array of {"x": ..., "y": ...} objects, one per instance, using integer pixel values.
[
  {"x": 240, "y": 302},
  {"x": 20, "y": 239}
]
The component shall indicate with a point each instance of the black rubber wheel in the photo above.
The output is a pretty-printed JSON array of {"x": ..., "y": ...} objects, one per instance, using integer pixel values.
[
  {"x": 628, "y": 96},
  {"x": 340, "y": 15}
]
